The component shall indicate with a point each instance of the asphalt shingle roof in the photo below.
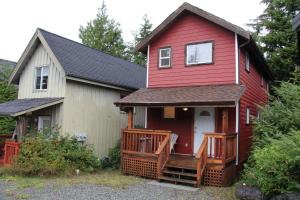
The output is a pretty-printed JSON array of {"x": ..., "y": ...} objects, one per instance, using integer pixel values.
[
  {"x": 10, "y": 108},
  {"x": 87, "y": 63},
  {"x": 194, "y": 95}
]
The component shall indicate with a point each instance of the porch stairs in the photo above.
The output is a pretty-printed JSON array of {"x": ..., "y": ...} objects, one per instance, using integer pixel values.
[{"x": 180, "y": 169}]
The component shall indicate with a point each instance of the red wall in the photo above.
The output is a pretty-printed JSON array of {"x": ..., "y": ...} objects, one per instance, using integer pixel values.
[
  {"x": 190, "y": 28},
  {"x": 183, "y": 125},
  {"x": 254, "y": 95}
]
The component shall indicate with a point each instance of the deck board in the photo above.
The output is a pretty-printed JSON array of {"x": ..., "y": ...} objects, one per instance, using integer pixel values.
[{"x": 183, "y": 161}]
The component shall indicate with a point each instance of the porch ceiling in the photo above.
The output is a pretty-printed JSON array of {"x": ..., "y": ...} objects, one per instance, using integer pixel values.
[
  {"x": 21, "y": 106},
  {"x": 184, "y": 96}
]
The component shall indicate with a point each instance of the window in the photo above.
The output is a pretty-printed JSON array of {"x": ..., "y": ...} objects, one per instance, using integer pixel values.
[
  {"x": 247, "y": 62},
  {"x": 258, "y": 115},
  {"x": 41, "y": 78},
  {"x": 44, "y": 122},
  {"x": 201, "y": 53},
  {"x": 169, "y": 112},
  {"x": 247, "y": 116},
  {"x": 262, "y": 81},
  {"x": 165, "y": 57}
]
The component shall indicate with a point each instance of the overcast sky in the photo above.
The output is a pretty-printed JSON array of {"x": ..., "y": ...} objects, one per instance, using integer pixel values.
[{"x": 20, "y": 18}]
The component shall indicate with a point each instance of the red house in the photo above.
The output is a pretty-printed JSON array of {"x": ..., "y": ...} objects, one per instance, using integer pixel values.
[{"x": 206, "y": 80}]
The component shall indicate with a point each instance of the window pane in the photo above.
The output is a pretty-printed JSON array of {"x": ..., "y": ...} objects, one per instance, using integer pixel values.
[
  {"x": 165, "y": 52},
  {"x": 165, "y": 62},
  {"x": 45, "y": 71},
  {"x": 199, "y": 53},
  {"x": 45, "y": 82},
  {"x": 38, "y": 78}
]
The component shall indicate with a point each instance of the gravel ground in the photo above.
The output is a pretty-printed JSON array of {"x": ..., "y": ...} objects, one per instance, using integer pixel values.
[{"x": 9, "y": 191}]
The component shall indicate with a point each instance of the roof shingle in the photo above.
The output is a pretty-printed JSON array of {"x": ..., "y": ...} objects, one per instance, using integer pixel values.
[
  {"x": 83, "y": 62},
  {"x": 196, "y": 95}
]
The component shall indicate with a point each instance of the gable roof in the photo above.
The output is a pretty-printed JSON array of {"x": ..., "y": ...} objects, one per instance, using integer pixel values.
[
  {"x": 82, "y": 62},
  {"x": 186, "y": 7}
]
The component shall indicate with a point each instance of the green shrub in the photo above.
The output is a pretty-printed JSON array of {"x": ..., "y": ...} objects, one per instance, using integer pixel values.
[
  {"x": 281, "y": 116},
  {"x": 47, "y": 154},
  {"x": 275, "y": 168},
  {"x": 114, "y": 158}
]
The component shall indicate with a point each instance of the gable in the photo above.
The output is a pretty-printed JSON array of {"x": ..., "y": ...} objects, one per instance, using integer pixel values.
[{"x": 56, "y": 78}]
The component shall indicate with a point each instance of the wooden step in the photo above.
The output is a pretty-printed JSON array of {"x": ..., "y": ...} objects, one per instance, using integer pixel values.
[
  {"x": 177, "y": 180},
  {"x": 179, "y": 173},
  {"x": 180, "y": 167}
]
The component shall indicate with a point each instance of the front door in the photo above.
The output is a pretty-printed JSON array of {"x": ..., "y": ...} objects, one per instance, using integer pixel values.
[{"x": 204, "y": 122}]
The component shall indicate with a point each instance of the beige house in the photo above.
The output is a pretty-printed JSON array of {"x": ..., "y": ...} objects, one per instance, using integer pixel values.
[{"x": 69, "y": 85}]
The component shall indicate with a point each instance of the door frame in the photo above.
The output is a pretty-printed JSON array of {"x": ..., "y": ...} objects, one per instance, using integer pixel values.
[{"x": 193, "y": 124}]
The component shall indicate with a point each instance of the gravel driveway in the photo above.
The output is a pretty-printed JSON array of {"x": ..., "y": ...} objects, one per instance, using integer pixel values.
[{"x": 144, "y": 190}]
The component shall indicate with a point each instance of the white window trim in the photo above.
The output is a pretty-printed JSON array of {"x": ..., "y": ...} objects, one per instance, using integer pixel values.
[
  {"x": 199, "y": 63},
  {"x": 247, "y": 62},
  {"x": 258, "y": 115},
  {"x": 42, "y": 75},
  {"x": 247, "y": 116},
  {"x": 166, "y": 57}
]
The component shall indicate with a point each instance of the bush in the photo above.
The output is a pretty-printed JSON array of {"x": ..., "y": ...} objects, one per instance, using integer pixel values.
[
  {"x": 281, "y": 116},
  {"x": 275, "y": 168},
  {"x": 114, "y": 158},
  {"x": 48, "y": 154}
]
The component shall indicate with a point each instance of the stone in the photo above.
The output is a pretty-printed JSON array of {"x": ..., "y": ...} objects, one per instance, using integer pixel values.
[{"x": 246, "y": 192}]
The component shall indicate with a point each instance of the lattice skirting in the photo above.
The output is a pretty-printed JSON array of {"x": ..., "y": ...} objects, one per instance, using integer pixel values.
[
  {"x": 139, "y": 167},
  {"x": 220, "y": 177}
]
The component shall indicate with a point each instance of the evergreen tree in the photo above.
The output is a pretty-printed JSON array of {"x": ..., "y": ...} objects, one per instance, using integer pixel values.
[
  {"x": 7, "y": 93},
  {"x": 104, "y": 34},
  {"x": 277, "y": 40},
  {"x": 143, "y": 31}
]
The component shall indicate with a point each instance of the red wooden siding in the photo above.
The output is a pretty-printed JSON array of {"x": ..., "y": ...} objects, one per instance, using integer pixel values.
[
  {"x": 190, "y": 28},
  {"x": 254, "y": 95},
  {"x": 181, "y": 125}
]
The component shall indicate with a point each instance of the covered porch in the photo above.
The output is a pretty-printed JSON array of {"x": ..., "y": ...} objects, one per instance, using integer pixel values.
[
  {"x": 190, "y": 137},
  {"x": 30, "y": 114}
]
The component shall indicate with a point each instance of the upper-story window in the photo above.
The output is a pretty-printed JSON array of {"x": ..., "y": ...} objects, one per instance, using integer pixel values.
[
  {"x": 41, "y": 78},
  {"x": 262, "y": 81},
  {"x": 199, "y": 53},
  {"x": 247, "y": 62},
  {"x": 165, "y": 57},
  {"x": 247, "y": 116}
]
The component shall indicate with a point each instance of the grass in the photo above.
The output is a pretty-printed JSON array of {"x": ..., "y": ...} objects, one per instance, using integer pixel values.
[{"x": 110, "y": 178}]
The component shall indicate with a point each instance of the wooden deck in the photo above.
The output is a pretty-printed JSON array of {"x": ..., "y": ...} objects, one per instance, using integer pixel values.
[{"x": 146, "y": 153}]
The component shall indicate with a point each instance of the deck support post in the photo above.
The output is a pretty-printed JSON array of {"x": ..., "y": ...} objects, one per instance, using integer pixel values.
[
  {"x": 224, "y": 120},
  {"x": 130, "y": 118}
]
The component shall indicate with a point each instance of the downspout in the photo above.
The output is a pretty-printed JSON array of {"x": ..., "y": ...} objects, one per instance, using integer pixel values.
[
  {"x": 237, "y": 103},
  {"x": 146, "y": 108}
]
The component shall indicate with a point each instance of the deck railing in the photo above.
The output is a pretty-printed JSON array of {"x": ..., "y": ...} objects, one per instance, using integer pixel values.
[
  {"x": 221, "y": 147},
  {"x": 216, "y": 148},
  {"x": 144, "y": 152}
]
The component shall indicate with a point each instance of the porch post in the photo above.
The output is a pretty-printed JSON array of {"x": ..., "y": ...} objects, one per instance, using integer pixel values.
[
  {"x": 20, "y": 129},
  {"x": 130, "y": 118},
  {"x": 224, "y": 120}
]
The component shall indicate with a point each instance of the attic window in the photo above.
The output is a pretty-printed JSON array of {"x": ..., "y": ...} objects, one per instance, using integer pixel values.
[{"x": 41, "y": 78}]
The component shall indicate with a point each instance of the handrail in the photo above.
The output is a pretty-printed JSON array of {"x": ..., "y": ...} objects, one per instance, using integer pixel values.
[
  {"x": 162, "y": 146},
  {"x": 201, "y": 157}
]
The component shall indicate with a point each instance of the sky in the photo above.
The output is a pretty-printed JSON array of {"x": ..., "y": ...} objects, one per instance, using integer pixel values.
[{"x": 20, "y": 18}]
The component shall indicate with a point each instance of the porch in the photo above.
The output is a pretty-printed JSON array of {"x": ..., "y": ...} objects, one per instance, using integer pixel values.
[
  {"x": 30, "y": 114},
  {"x": 190, "y": 135},
  {"x": 147, "y": 153}
]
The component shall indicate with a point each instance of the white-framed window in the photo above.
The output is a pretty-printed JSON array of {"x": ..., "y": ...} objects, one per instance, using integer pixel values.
[
  {"x": 165, "y": 57},
  {"x": 199, "y": 53},
  {"x": 262, "y": 81},
  {"x": 247, "y": 62},
  {"x": 258, "y": 115},
  {"x": 41, "y": 78},
  {"x": 247, "y": 116},
  {"x": 44, "y": 122}
]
